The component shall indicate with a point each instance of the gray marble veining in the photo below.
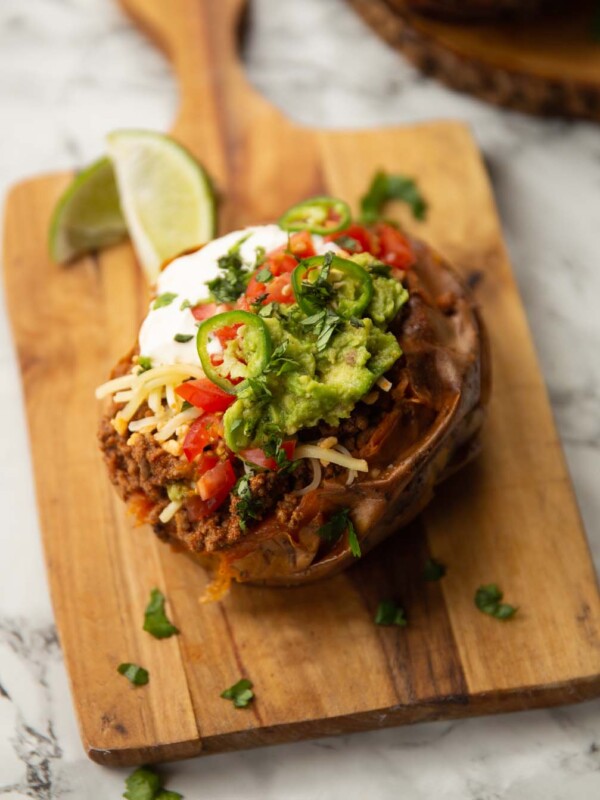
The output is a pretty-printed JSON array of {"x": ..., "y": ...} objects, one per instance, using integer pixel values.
[{"x": 70, "y": 70}]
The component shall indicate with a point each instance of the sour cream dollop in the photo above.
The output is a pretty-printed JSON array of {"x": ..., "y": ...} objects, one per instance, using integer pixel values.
[{"x": 186, "y": 277}]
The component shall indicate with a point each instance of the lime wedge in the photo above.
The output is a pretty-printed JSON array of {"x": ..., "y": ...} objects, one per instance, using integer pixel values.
[
  {"x": 88, "y": 215},
  {"x": 166, "y": 196}
]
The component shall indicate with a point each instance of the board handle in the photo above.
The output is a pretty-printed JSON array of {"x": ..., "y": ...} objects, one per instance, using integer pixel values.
[{"x": 200, "y": 38}]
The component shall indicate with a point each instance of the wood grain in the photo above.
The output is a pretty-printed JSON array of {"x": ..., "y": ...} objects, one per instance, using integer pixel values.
[
  {"x": 318, "y": 663},
  {"x": 548, "y": 65}
]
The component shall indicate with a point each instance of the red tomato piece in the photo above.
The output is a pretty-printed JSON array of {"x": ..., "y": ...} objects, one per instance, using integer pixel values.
[
  {"x": 257, "y": 456},
  {"x": 279, "y": 290},
  {"x": 217, "y": 482},
  {"x": 226, "y": 334},
  {"x": 361, "y": 235},
  {"x": 207, "y": 460},
  {"x": 206, "y": 430},
  {"x": 394, "y": 247},
  {"x": 203, "y": 393},
  {"x": 280, "y": 262},
  {"x": 301, "y": 245},
  {"x": 255, "y": 289}
]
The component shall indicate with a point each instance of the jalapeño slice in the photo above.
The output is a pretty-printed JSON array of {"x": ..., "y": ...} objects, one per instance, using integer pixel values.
[
  {"x": 254, "y": 344},
  {"x": 321, "y": 215},
  {"x": 332, "y": 281}
]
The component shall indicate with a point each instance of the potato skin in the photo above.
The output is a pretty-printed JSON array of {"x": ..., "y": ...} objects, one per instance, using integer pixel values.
[
  {"x": 446, "y": 350},
  {"x": 476, "y": 9}
]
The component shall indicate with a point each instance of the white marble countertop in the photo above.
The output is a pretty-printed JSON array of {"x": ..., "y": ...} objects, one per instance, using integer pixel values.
[{"x": 70, "y": 70}]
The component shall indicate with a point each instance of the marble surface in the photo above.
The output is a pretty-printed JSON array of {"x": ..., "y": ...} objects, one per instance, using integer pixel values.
[{"x": 70, "y": 70}]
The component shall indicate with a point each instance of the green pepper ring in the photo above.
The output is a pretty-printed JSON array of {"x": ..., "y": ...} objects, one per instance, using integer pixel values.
[
  {"x": 298, "y": 217},
  {"x": 226, "y": 319},
  {"x": 349, "y": 268}
]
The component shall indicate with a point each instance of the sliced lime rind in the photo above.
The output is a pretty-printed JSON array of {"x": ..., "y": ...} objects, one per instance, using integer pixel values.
[
  {"x": 88, "y": 214},
  {"x": 166, "y": 196}
]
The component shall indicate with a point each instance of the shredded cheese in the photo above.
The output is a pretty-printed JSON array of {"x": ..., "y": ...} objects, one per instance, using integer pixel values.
[
  {"x": 169, "y": 428},
  {"x": 351, "y": 472},
  {"x": 332, "y": 456},
  {"x": 384, "y": 384},
  {"x": 316, "y": 479},
  {"x": 170, "y": 510}
]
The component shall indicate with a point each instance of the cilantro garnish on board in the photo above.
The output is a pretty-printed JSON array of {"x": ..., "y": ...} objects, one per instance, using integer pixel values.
[
  {"x": 488, "y": 600},
  {"x": 137, "y": 675},
  {"x": 240, "y": 693},
  {"x": 385, "y": 187},
  {"x": 155, "y": 619},
  {"x": 144, "y": 784},
  {"x": 390, "y": 613}
]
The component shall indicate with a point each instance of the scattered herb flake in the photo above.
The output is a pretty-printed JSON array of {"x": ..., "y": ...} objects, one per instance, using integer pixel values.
[
  {"x": 348, "y": 243},
  {"x": 184, "y": 305},
  {"x": 137, "y": 675},
  {"x": 247, "y": 507},
  {"x": 390, "y": 613},
  {"x": 264, "y": 275},
  {"x": 331, "y": 531},
  {"x": 385, "y": 187},
  {"x": 182, "y": 338},
  {"x": 155, "y": 619},
  {"x": 267, "y": 310},
  {"x": 433, "y": 570},
  {"x": 164, "y": 300},
  {"x": 186, "y": 404},
  {"x": 145, "y": 363},
  {"x": 240, "y": 693},
  {"x": 144, "y": 784},
  {"x": 488, "y": 600},
  {"x": 226, "y": 288}
]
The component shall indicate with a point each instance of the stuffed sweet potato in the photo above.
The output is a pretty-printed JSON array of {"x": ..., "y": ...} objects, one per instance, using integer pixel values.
[{"x": 296, "y": 393}]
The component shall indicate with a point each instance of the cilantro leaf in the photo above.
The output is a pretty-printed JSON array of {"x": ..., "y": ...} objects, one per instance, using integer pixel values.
[
  {"x": 145, "y": 363},
  {"x": 264, "y": 275},
  {"x": 323, "y": 324},
  {"x": 232, "y": 283},
  {"x": 390, "y": 613},
  {"x": 247, "y": 507},
  {"x": 488, "y": 601},
  {"x": 137, "y": 675},
  {"x": 348, "y": 243},
  {"x": 240, "y": 693},
  {"x": 433, "y": 570},
  {"x": 155, "y": 619},
  {"x": 319, "y": 292},
  {"x": 331, "y": 531},
  {"x": 385, "y": 187},
  {"x": 182, "y": 338},
  {"x": 164, "y": 300},
  {"x": 143, "y": 784}
]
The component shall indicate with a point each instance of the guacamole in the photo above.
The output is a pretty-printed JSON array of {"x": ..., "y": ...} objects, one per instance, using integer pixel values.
[{"x": 305, "y": 383}]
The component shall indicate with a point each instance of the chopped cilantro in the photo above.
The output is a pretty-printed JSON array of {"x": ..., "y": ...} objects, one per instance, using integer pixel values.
[
  {"x": 390, "y": 613},
  {"x": 319, "y": 292},
  {"x": 279, "y": 363},
  {"x": 232, "y": 283},
  {"x": 164, "y": 300},
  {"x": 267, "y": 310},
  {"x": 433, "y": 570},
  {"x": 264, "y": 275},
  {"x": 137, "y": 675},
  {"x": 182, "y": 338},
  {"x": 259, "y": 256},
  {"x": 348, "y": 243},
  {"x": 144, "y": 784},
  {"x": 155, "y": 619},
  {"x": 383, "y": 270},
  {"x": 145, "y": 363},
  {"x": 331, "y": 531},
  {"x": 185, "y": 304},
  {"x": 257, "y": 303},
  {"x": 248, "y": 507},
  {"x": 488, "y": 600},
  {"x": 324, "y": 324},
  {"x": 385, "y": 187},
  {"x": 240, "y": 693}
]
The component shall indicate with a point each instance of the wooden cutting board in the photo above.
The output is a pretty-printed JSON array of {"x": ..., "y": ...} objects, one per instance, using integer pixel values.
[
  {"x": 318, "y": 662},
  {"x": 549, "y": 64}
]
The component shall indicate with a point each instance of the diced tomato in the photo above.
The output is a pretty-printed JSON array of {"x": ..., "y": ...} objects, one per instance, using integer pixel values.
[
  {"x": 361, "y": 235},
  {"x": 301, "y": 245},
  {"x": 257, "y": 456},
  {"x": 255, "y": 289},
  {"x": 203, "y": 393},
  {"x": 394, "y": 248},
  {"x": 206, "y": 430},
  {"x": 206, "y": 310},
  {"x": 279, "y": 290},
  {"x": 206, "y": 460},
  {"x": 198, "y": 508},
  {"x": 226, "y": 334},
  {"x": 216, "y": 484},
  {"x": 280, "y": 262}
]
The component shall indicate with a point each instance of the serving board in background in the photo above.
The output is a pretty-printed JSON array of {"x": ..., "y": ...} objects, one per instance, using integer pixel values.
[
  {"x": 549, "y": 64},
  {"x": 318, "y": 662}
]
